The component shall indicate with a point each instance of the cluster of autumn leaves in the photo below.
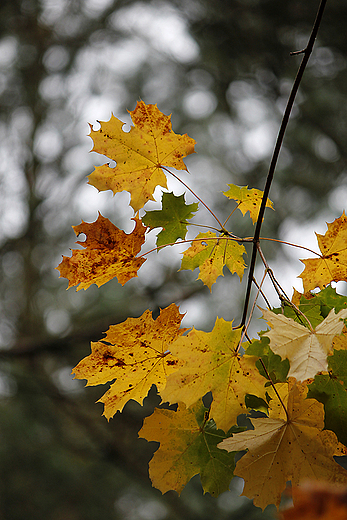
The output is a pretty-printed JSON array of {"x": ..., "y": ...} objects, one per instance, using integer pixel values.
[{"x": 294, "y": 376}]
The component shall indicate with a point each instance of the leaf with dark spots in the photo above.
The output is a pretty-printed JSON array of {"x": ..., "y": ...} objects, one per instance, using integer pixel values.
[
  {"x": 135, "y": 368},
  {"x": 332, "y": 265},
  {"x": 109, "y": 252},
  {"x": 140, "y": 154}
]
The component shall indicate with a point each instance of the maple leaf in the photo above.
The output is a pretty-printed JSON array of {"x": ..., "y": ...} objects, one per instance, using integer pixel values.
[
  {"x": 212, "y": 364},
  {"x": 188, "y": 446},
  {"x": 331, "y": 390},
  {"x": 139, "y": 154},
  {"x": 317, "y": 501},
  {"x": 136, "y": 354},
  {"x": 306, "y": 349},
  {"x": 108, "y": 252},
  {"x": 172, "y": 218},
  {"x": 332, "y": 266},
  {"x": 247, "y": 200},
  {"x": 282, "y": 448},
  {"x": 211, "y": 255},
  {"x": 275, "y": 366}
]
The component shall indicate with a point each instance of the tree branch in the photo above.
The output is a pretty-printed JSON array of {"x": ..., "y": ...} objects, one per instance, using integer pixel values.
[{"x": 307, "y": 52}]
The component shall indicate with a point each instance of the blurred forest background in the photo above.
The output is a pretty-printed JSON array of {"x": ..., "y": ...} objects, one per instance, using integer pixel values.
[{"x": 223, "y": 69}]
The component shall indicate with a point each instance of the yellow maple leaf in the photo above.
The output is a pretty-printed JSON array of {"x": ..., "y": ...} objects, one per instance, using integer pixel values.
[
  {"x": 136, "y": 354},
  {"x": 212, "y": 255},
  {"x": 108, "y": 252},
  {"x": 332, "y": 265},
  {"x": 211, "y": 364},
  {"x": 247, "y": 199},
  {"x": 306, "y": 349},
  {"x": 282, "y": 448},
  {"x": 139, "y": 154}
]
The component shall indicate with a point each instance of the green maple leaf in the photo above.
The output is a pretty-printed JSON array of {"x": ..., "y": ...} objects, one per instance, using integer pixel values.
[
  {"x": 329, "y": 299},
  {"x": 331, "y": 390},
  {"x": 276, "y": 367},
  {"x": 310, "y": 307},
  {"x": 188, "y": 446},
  {"x": 172, "y": 218},
  {"x": 211, "y": 253}
]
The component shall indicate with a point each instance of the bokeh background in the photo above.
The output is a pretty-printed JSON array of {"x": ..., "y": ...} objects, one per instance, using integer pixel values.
[{"x": 223, "y": 69}]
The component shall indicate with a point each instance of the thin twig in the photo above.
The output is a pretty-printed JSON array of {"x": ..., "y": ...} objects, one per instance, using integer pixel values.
[
  {"x": 276, "y": 152},
  {"x": 275, "y": 389},
  {"x": 262, "y": 293},
  {"x": 291, "y": 244},
  {"x": 244, "y": 332},
  {"x": 280, "y": 291},
  {"x": 203, "y": 239},
  {"x": 272, "y": 383},
  {"x": 193, "y": 193}
]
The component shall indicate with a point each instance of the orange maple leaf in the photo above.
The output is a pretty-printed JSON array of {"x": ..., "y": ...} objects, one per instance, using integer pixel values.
[
  {"x": 108, "y": 252},
  {"x": 332, "y": 265},
  {"x": 318, "y": 501},
  {"x": 137, "y": 354},
  {"x": 139, "y": 154}
]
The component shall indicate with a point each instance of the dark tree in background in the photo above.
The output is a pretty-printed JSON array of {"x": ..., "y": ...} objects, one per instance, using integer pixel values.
[{"x": 223, "y": 69}]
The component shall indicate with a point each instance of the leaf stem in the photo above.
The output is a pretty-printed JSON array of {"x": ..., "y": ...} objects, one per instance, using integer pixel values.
[
  {"x": 278, "y": 145},
  {"x": 191, "y": 191},
  {"x": 283, "y": 297},
  {"x": 244, "y": 332},
  {"x": 203, "y": 239},
  {"x": 280, "y": 291},
  {"x": 290, "y": 244},
  {"x": 275, "y": 389},
  {"x": 262, "y": 293}
]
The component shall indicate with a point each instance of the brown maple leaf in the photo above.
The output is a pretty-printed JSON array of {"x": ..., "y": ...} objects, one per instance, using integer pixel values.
[
  {"x": 286, "y": 446},
  {"x": 108, "y": 252}
]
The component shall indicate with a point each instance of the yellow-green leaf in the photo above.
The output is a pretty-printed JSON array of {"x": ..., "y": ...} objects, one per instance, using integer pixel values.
[
  {"x": 247, "y": 199},
  {"x": 188, "y": 446},
  {"x": 211, "y": 253},
  {"x": 212, "y": 364}
]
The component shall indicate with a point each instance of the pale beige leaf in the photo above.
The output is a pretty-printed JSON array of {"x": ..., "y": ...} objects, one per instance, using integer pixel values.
[{"x": 306, "y": 350}]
